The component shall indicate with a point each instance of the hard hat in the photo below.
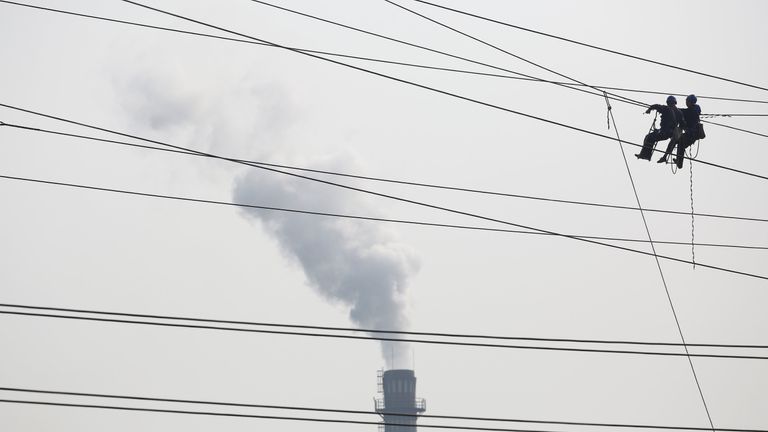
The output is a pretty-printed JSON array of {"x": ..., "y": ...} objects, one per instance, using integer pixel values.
[
  {"x": 691, "y": 98},
  {"x": 671, "y": 99}
]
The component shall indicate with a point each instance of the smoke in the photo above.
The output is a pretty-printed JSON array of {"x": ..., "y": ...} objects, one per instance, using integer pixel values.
[{"x": 356, "y": 263}]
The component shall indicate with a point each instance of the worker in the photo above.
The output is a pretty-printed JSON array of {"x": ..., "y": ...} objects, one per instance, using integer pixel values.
[
  {"x": 671, "y": 120},
  {"x": 691, "y": 132}
]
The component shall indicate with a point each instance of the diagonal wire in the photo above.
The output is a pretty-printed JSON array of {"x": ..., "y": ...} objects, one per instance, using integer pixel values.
[
  {"x": 591, "y": 46},
  {"x": 661, "y": 272},
  {"x": 520, "y": 76},
  {"x": 386, "y": 180},
  {"x": 361, "y": 190}
]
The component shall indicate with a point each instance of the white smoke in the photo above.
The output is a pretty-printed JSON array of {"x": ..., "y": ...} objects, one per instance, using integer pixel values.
[{"x": 357, "y": 263}]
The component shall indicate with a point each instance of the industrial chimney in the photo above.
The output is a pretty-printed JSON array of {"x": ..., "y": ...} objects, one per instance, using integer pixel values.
[{"x": 399, "y": 407}]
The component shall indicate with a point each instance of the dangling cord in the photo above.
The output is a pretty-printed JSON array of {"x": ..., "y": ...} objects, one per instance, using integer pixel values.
[
  {"x": 608, "y": 111},
  {"x": 693, "y": 250}
]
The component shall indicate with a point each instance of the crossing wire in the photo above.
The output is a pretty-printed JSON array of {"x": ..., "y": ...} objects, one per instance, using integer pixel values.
[
  {"x": 419, "y": 203},
  {"x": 632, "y": 182},
  {"x": 519, "y": 76},
  {"x": 361, "y": 217},
  {"x": 541, "y": 33},
  {"x": 360, "y": 412},
  {"x": 382, "y": 338},
  {"x": 412, "y": 83},
  {"x": 387, "y": 180}
]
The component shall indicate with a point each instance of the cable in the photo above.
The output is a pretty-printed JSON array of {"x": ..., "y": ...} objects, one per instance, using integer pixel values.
[
  {"x": 422, "y": 204},
  {"x": 591, "y": 46},
  {"x": 527, "y": 78},
  {"x": 388, "y": 180},
  {"x": 400, "y": 41},
  {"x": 415, "y": 65},
  {"x": 522, "y": 77},
  {"x": 221, "y": 414},
  {"x": 625, "y": 99},
  {"x": 346, "y": 411},
  {"x": 366, "y": 191},
  {"x": 422, "y": 86},
  {"x": 366, "y": 218},
  {"x": 380, "y": 331},
  {"x": 735, "y": 128},
  {"x": 382, "y": 338},
  {"x": 539, "y": 232}
]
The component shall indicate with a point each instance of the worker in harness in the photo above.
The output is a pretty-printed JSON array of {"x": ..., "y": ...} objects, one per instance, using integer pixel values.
[
  {"x": 671, "y": 120},
  {"x": 691, "y": 132}
]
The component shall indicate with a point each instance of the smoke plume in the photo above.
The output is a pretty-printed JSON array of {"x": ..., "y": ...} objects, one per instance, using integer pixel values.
[{"x": 356, "y": 263}]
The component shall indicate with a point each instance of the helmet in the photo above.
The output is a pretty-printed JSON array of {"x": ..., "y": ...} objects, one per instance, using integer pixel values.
[
  {"x": 671, "y": 100},
  {"x": 691, "y": 98}
]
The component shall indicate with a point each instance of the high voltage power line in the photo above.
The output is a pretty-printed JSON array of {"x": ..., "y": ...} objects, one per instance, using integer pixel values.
[
  {"x": 362, "y": 217},
  {"x": 416, "y": 65},
  {"x": 592, "y": 46},
  {"x": 365, "y": 191},
  {"x": 380, "y": 338},
  {"x": 382, "y": 331},
  {"x": 388, "y": 180},
  {"x": 415, "y": 84},
  {"x": 361, "y": 412},
  {"x": 631, "y": 179}
]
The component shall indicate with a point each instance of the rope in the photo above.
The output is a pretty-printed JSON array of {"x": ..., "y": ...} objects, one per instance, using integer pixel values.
[{"x": 689, "y": 151}]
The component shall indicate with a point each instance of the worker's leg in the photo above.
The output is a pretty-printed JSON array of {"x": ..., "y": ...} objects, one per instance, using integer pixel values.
[
  {"x": 668, "y": 152},
  {"x": 686, "y": 141},
  {"x": 648, "y": 144}
]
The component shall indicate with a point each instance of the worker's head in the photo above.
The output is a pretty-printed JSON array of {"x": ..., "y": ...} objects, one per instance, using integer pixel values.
[
  {"x": 690, "y": 100},
  {"x": 671, "y": 100}
]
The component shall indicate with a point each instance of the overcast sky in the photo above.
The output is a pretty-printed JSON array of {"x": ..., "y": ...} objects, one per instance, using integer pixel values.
[{"x": 70, "y": 248}]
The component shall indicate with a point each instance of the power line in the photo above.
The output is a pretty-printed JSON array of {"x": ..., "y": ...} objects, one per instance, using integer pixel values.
[
  {"x": 538, "y": 232},
  {"x": 371, "y": 59},
  {"x": 735, "y": 128},
  {"x": 591, "y": 46},
  {"x": 422, "y": 86},
  {"x": 383, "y": 331},
  {"x": 388, "y": 180},
  {"x": 365, "y": 218},
  {"x": 625, "y": 99},
  {"x": 520, "y": 77},
  {"x": 631, "y": 179},
  {"x": 253, "y": 416},
  {"x": 360, "y": 412},
  {"x": 369, "y": 192},
  {"x": 382, "y": 338}
]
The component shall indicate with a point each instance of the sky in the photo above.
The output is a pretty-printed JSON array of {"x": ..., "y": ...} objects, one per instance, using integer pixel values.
[{"x": 83, "y": 249}]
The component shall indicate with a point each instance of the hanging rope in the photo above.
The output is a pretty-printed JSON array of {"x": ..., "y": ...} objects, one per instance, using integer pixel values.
[{"x": 689, "y": 153}]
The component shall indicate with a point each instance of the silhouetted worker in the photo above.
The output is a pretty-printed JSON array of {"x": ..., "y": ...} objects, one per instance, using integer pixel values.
[
  {"x": 691, "y": 132},
  {"x": 671, "y": 118}
]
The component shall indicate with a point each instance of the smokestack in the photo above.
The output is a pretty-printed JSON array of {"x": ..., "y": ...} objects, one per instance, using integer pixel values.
[{"x": 399, "y": 406}]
